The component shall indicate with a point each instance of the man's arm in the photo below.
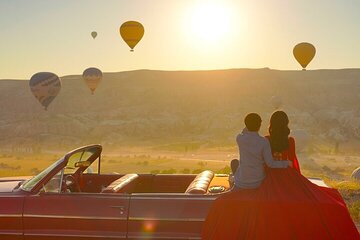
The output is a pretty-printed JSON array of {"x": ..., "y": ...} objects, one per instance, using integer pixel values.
[
  {"x": 270, "y": 162},
  {"x": 238, "y": 143}
]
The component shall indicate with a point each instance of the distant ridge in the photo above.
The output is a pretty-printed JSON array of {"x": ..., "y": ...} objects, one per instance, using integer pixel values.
[
  {"x": 205, "y": 70},
  {"x": 156, "y": 106}
]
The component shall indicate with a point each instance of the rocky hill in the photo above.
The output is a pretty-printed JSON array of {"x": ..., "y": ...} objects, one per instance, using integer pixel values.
[{"x": 148, "y": 107}]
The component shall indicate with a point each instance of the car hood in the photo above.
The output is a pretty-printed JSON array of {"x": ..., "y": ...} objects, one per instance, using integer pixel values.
[{"x": 8, "y": 184}]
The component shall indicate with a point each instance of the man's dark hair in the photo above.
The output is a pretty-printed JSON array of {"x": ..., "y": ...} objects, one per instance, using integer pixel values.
[{"x": 253, "y": 122}]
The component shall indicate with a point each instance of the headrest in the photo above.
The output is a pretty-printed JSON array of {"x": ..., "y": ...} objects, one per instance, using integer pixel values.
[
  {"x": 201, "y": 183},
  {"x": 120, "y": 183}
]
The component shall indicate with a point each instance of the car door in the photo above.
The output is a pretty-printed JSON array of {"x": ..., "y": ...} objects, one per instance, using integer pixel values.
[
  {"x": 75, "y": 216},
  {"x": 11, "y": 206},
  {"x": 167, "y": 216}
]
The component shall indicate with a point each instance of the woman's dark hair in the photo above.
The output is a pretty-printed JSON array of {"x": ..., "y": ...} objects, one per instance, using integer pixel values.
[{"x": 279, "y": 131}]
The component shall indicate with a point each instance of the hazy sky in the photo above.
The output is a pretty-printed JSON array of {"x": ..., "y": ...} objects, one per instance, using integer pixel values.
[{"x": 53, "y": 35}]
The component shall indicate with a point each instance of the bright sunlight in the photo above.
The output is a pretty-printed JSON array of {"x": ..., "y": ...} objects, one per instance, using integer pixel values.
[{"x": 208, "y": 22}]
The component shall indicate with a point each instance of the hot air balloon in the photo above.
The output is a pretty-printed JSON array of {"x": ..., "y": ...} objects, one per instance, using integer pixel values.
[
  {"x": 92, "y": 77},
  {"x": 45, "y": 86},
  {"x": 94, "y": 34},
  {"x": 131, "y": 32},
  {"x": 276, "y": 101},
  {"x": 304, "y": 52}
]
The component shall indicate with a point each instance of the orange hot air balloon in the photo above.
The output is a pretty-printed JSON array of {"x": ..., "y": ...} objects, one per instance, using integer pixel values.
[
  {"x": 304, "y": 52},
  {"x": 132, "y": 32}
]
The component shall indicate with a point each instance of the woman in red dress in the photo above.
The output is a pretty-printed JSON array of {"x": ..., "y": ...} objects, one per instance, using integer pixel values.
[
  {"x": 286, "y": 205},
  {"x": 282, "y": 146}
]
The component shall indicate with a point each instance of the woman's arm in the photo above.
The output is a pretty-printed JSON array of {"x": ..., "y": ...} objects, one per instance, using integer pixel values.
[
  {"x": 292, "y": 154},
  {"x": 268, "y": 158}
]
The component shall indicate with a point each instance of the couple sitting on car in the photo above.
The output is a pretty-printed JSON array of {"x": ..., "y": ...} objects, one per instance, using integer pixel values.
[
  {"x": 277, "y": 150},
  {"x": 271, "y": 199}
]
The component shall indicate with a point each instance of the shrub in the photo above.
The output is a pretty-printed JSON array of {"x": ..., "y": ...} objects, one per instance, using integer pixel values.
[
  {"x": 354, "y": 209},
  {"x": 197, "y": 171},
  {"x": 169, "y": 171},
  {"x": 185, "y": 171},
  {"x": 34, "y": 171},
  {"x": 225, "y": 170},
  {"x": 202, "y": 164}
]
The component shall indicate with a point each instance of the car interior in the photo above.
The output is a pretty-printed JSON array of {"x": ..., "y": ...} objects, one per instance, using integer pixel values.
[
  {"x": 75, "y": 178},
  {"x": 205, "y": 182}
]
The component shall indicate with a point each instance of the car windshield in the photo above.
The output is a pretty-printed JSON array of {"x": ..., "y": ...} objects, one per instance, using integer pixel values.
[
  {"x": 79, "y": 159},
  {"x": 29, "y": 184}
]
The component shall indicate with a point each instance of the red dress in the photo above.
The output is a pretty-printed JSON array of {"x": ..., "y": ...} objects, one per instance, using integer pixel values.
[
  {"x": 290, "y": 154},
  {"x": 286, "y": 206}
]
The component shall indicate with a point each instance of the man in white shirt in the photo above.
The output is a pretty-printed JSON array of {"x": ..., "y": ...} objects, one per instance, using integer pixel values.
[{"x": 255, "y": 151}]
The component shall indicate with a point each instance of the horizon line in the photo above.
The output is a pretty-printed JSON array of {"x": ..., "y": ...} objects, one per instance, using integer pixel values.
[{"x": 203, "y": 70}]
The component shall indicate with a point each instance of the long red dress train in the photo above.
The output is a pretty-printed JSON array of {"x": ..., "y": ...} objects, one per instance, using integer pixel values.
[{"x": 286, "y": 206}]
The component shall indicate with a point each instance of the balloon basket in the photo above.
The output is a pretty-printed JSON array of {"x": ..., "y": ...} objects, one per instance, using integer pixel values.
[
  {"x": 304, "y": 69},
  {"x": 131, "y": 50}
]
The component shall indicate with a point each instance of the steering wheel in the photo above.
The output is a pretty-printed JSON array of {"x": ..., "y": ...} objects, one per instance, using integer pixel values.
[{"x": 72, "y": 184}]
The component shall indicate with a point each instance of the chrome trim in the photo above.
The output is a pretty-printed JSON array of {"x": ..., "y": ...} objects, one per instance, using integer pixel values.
[
  {"x": 119, "y": 207},
  {"x": 73, "y": 235},
  {"x": 74, "y": 217},
  {"x": 10, "y": 215},
  {"x": 171, "y": 198},
  {"x": 85, "y": 194},
  {"x": 163, "y": 237},
  {"x": 11, "y": 233},
  {"x": 116, "y": 196},
  {"x": 167, "y": 219}
]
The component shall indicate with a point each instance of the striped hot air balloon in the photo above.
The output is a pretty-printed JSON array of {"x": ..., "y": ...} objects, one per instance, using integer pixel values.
[
  {"x": 92, "y": 77},
  {"x": 45, "y": 86}
]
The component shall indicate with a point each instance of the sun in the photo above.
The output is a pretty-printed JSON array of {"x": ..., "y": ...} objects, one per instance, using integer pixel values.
[{"x": 208, "y": 21}]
